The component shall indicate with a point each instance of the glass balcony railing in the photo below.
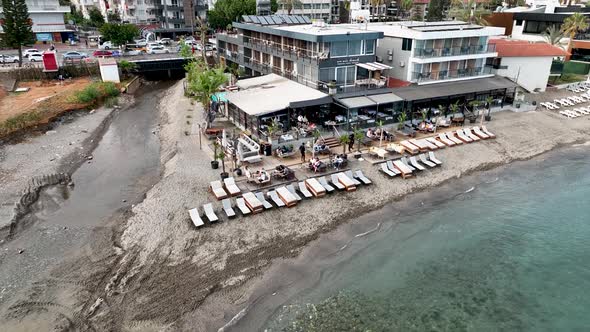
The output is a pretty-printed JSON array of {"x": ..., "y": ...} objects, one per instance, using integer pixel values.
[
  {"x": 450, "y": 74},
  {"x": 453, "y": 51}
]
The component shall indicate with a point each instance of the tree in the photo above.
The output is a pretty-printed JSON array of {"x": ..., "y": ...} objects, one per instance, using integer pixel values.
[
  {"x": 17, "y": 26},
  {"x": 468, "y": 11},
  {"x": 358, "y": 137},
  {"x": 574, "y": 24},
  {"x": 203, "y": 82},
  {"x": 96, "y": 18},
  {"x": 406, "y": 6},
  {"x": 114, "y": 17},
  {"x": 274, "y": 6},
  {"x": 228, "y": 11},
  {"x": 553, "y": 35},
  {"x": 75, "y": 16},
  {"x": 436, "y": 10},
  {"x": 127, "y": 67},
  {"x": 119, "y": 34},
  {"x": 344, "y": 140},
  {"x": 289, "y": 5}
]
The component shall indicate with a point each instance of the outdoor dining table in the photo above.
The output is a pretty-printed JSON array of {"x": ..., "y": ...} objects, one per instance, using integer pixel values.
[
  {"x": 252, "y": 202},
  {"x": 286, "y": 196}
]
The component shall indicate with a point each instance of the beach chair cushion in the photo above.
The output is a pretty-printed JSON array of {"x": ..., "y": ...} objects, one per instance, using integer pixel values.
[
  {"x": 336, "y": 182},
  {"x": 208, "y": 208},
  {"x": 416, "y": 164},
  {"x": 433, "y": 158},
  {"x": 195, "y": 217},
  {"x": 242, "y": 206},
  {"x": 217, "y": 190},
  {"x": 386, "y": 170},
  {"x": 304, "y": 191},
  {"x": 229, "y": 211},
  {"x": 324, "y": 183},
  {"x": 352, "y": 177},
  {"x": 426, "y": 161},
  {"x": 230, "y": 185},
  {"x": 293, "y": 192},
  {"x": 265, "y": 203},
  {"x": 275, "y": 198},
  {"x": 359, "y": 175}
]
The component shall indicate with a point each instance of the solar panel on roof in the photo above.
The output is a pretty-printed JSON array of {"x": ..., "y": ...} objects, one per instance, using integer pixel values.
[
  {"x": 254, "y": 19},
  {"x": 298, "y": 19},
  {"x": 246, "y": 19},
  {"x": 306, "y": 19},
  {"x": 288, "y": 19},
  {"x": 278, "y": 20}
]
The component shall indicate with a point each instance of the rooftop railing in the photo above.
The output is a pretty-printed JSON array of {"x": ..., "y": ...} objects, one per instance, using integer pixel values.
[
  {"x": 450, "y": 74},
  {"x": 453, "y": 51}
]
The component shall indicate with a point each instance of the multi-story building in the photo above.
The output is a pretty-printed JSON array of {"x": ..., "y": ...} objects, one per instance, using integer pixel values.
[
  {"x": 431, "y": 52},
  {"x": 48, "y": 20},
  {"x": 314, "y": 9},
  {"x": 338, "y": 56}
]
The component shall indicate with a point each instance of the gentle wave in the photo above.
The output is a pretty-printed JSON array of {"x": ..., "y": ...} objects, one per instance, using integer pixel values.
[{"x": 369, "y": 231}]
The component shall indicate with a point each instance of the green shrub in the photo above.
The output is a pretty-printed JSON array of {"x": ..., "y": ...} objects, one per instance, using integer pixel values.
[
  {"x": 110, "y": 89},
  {"x": 18, "y": 122},
  {"x": 89, "y": 95}
]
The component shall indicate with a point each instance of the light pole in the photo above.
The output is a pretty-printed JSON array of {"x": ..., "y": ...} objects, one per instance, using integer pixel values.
[{"x": 192, "y": 18}]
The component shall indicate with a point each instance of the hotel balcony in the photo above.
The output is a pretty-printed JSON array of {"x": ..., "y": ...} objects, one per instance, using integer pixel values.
[
  {"x": 288, "y": 52},
  {"x": 423, "y": 53},
  {"x": 48, "y": 9},
  {"x": 443, "y": 75}
]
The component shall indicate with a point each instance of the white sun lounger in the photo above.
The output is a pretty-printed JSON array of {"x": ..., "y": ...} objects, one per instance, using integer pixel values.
[
  {"x": 403, "y": 168},
  {"x": 461, "y": 135},
  {"x": 489, "y": 133},
  {"x": 242, "y": 206},
  {"x": 231, "y": 187},
  {"x": 343, "y": 179},
  {"x": 336, "y": 182},
  {"x": 253, "y": 203},
  {"x": 263, "y": 200},
  {"x": 386, "y": 170},
  {"x": 421, "y": 144},
  {"x": 425, "y": 161},
  {"x": 286, "y": 196},
  {"x": 411, "y": 148},
  {"x": 293, "y": 192},
  {"x": 315, "y": 187},
  {"x": 436, "y": 142},
  {"x": 566, "y": 114},
  {"x": 407, "y": 163},
  {"x": 325, "y": 184},
  {"x": 451, "y": 136},
  {"x": 275, "y": 198},
  {"x": 416, "y": 164},
  {"x": 229, "y": 211},
  {"x": 195, "y": 217},
  {"x": 217, "y": 189},
  {"x": 208, "y": 208},
  {"x": 433, "y": 158},
  {"x": 480, "y": 133},
  {"x": 304, "y": 191},
  {"x": 352, "y": 177},
  {"x": 392, "y": 168},
  {"x": 468, "y": 132},
  {"x": 359, "y": 175},
  {"x": 445, "y": 140},
  {"x": 430, "y": 145}
]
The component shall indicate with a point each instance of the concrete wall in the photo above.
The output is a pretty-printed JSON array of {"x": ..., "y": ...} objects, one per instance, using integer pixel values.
[
  {"x": 394, "y": 44},
  {"x": 529, "y": 72}
]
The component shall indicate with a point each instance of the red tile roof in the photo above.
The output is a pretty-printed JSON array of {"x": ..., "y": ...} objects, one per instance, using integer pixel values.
[{"x": 523, "y": 48}]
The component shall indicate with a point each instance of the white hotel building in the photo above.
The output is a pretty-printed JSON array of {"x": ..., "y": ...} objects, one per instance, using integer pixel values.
[{"x": 432, "y": 52}]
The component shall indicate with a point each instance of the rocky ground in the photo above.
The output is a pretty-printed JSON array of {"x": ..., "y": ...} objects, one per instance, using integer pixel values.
[{"x": 156, "y": 272}]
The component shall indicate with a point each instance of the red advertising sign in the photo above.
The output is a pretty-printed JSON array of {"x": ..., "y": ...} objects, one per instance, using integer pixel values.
[{"x": 50, "y": 62}]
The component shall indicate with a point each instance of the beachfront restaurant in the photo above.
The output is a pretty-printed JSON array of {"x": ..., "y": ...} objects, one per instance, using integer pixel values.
[
  {"x": 366, "y": 109},
  {"x": 262, "y": 100},
  {"x": 431, "y": 97}
]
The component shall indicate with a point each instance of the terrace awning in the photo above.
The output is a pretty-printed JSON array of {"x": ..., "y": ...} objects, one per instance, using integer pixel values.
[
  {"x": 373, "y": 66},
  {"x": 370, "y": 100}
]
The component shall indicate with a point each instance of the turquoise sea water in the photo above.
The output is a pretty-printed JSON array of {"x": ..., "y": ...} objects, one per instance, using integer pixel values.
[{"x": 510, "y": 253}]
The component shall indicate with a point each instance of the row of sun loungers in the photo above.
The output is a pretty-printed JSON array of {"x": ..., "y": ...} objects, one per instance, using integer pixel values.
[
  {"x": 405, "y": 167},
  {"x": 460, "y": 136},
  {"x": 576, "y": 112},
  {"x": 284, "y": 196},
  {"x": 226, "y": 189}
]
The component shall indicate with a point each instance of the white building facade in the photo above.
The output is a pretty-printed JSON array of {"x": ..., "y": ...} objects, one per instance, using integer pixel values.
[
  {"x": 314, "y": 9},
  {"x": 432, "y": 52},
  {"x": 48, "y": 20}
]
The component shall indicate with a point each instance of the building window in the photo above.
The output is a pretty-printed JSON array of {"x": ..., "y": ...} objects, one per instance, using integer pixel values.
[
  {"x": 406, "y": 44},
  {"x": 338, "y": 49},
  {"x": 176, "y": 26},
  {"x": 518, "y": 23},
  {"x": 350, "y": 75},
  {"x": 370, "y": 46},
  {"x": 354, "y": 47},
  {"x": 306, "y": 6}
]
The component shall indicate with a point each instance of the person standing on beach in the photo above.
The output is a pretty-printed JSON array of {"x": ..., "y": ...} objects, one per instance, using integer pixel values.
[{"x": 302, "y": 150}]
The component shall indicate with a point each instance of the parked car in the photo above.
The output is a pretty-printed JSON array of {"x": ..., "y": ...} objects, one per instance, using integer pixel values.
[
  {"x": 141, "y": 42},
  {"x": 106, "y": 46},
  {"x": 30, "y": 51},
  {"x": 74, "y": 55},
  {"x": 210, "y": 47},
  {"x": 192, "y": 43},
  {"x": 8, "y": 59},
  {"x": 35, "y": 57},
  {"x": 165, "y": 41},
  {"x": 133, "y": 52},
  {"x": 101, "y": 53},
  {"x": 153, "y": 44},
  {"x": 158, "y": 50}
]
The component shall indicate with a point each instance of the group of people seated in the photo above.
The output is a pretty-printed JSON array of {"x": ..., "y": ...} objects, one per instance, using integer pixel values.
[
  {"x": 283, "y": 172},
  {"x": 376, "y": 134},
  {"x": 315, "y": 164},
  {"x": 259, "y": 176},
  {"x": 426, "y": 126},
  {"x": 339, "y": 160}
]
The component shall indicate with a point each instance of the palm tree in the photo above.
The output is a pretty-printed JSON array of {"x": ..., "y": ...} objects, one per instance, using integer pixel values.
[
  {"x": 289, "y": 5},
  {"x": 344, "y": 140},
  {"x": 553, "y": 35},
  {"x": 574, "y": 24},
  {"x": 406, "y": 6}
]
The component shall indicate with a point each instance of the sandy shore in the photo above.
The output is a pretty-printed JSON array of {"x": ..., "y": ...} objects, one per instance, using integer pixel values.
[{"x": 160, "y": 273}]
